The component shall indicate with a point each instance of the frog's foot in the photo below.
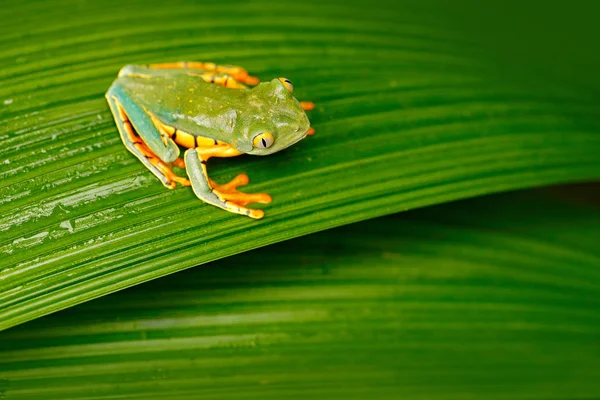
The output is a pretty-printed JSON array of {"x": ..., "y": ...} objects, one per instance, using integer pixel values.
[
  {"x": 173, "y": 177},
  {"x": 224, "y": 196},
  {"x": 307, "y": 105},
  {"x": 164, "y": 168},
  {"x": 237, "y": 200},
  {"x": 230, "y": 193}
]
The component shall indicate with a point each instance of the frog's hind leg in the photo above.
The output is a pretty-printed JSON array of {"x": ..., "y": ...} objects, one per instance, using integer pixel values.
[
  {"x": 221, "y": 79},
  {"x": 218, "y": 78},
  {"x": 224, "y": 196},
  {"x": 237, "y": 73},
  {"x": 138, "y": 146}
]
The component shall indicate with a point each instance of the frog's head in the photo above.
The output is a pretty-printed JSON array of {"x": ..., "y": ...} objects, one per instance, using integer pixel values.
[{"x": 279, "y": 120}]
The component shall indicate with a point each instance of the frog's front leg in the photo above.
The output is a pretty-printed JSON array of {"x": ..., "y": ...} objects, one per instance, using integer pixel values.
[
  {"x": 224, "y": 196},
  {"x": 308, "y": 106},
  {"x": 155, "y": 150}
]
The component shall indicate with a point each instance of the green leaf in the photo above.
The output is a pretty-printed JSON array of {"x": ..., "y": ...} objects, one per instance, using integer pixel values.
[
  {"x": 409, "y": 114},
  {"x": 468, "y": 300}
]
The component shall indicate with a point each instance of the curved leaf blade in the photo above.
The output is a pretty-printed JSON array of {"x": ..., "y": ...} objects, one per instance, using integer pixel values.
[
  {"x": 466, "y": 300},
  {"x": 404, "y": 119}
]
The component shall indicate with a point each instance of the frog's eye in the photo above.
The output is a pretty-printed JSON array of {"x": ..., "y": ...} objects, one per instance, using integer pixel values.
[
  {"x": 288, "y": 84},
  {"x": 263, "y": 140}
]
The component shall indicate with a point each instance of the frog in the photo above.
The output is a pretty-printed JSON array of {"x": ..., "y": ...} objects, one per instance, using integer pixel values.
[{"x": 208, "y": 110}]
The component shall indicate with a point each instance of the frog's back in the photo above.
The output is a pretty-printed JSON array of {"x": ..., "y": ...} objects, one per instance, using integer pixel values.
[
  {"x": 179, "y": 92},
  {"x": 182, "y": 99}
]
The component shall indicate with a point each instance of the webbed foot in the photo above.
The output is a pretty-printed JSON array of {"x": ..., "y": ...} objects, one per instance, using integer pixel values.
[
  {"x": 225, "y": 196},
  {"x": 235, "y": 198}
]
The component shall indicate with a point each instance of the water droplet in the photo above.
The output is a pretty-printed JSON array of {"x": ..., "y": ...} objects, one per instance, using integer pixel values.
[{"x": 67, "y": 225}]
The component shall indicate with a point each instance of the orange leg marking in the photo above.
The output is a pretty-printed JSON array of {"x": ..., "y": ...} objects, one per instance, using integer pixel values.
[
  {"x": 223, "y": 150},
  {"x": 238, "y": 73},
  {"x": 221, "y": 79},
  {"x": 229, "y": 192},
  {"x": 179, "y": 163},
  {"x": 166, "y": 170}
]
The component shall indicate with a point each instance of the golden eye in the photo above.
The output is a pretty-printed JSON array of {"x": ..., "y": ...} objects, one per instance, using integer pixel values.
[
  {"x": 263, "y": 140},
  {"x": 288, "y": 84}
]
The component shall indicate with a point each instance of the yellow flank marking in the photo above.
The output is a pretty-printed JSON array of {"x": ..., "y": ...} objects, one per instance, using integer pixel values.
[
  {"x": 130, "y": 132},
  {"x": 208, "y": 77},
  {"x": 185, "y": 139},
  {"x": 168, "y": 129},
  {"x": 204, "y": 142},
  {"x": 164, "y": 135},
  {"x": 155, "y": 120},
  {"x": 122, "y": 113}
]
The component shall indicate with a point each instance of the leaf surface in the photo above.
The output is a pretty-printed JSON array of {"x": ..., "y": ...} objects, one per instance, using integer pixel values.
[
  {"x": 407, "y": 116},
  {"x": 466, "y": 300}
]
